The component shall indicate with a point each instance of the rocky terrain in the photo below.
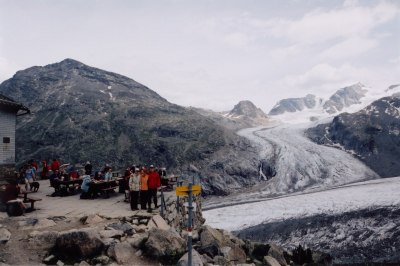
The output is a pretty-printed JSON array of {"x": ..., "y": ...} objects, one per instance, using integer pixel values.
[
  {"x": 130, "y": 238},
  {"x": 362, "y": 236},
  {"x": 81, "y": 113},
  {"x": 372, "y": 135}
]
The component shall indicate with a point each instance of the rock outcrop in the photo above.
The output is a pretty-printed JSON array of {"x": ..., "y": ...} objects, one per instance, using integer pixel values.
[{"x": 371, "y": 134}]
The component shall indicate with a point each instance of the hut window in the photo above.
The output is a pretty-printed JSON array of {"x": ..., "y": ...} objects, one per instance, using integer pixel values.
[{"x": 6, "y": 140}]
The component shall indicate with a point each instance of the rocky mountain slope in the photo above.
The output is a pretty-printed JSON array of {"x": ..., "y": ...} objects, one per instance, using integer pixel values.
[
  {"x": 82, "y": 113},
  {"x": 371, "y": 134},
  {"x": 345, "y": 97},
  {"x": 295, "y": 104}
]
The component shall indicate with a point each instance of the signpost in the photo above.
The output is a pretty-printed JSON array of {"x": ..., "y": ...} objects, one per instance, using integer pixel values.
[{"x": 189, "y": 191}]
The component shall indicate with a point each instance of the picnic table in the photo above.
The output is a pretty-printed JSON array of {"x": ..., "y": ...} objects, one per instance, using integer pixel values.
[
  {"x": 169, "y": 182},
  {"x": 105, "y": 187}
]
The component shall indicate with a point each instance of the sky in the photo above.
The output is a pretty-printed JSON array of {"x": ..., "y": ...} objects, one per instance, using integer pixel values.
[{"x": 212, "y": 53}]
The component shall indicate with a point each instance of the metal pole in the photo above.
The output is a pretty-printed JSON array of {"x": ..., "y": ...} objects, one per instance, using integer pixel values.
[
  {"x": 190, "y": 226},
  {"x": 162, "y": 203}
]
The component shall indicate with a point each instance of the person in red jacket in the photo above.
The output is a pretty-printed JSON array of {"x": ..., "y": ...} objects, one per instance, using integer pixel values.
[
  {"x": 55, "y": 165},
  {"x": 154, "y": 182}
]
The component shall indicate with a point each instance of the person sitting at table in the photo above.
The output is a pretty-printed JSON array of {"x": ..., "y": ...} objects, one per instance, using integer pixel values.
[
  {"x": 11, "y": 194},
  {"x": 97, "y": 176},
  {"x": 54, "y": 180},
  {"x": 87, "y": 192},
  {"x": 134, "y": 188},
  {"x": 108, "y": 176},
  {"x": 144, "y": 189},
  {"x": 74, "y": 174}
]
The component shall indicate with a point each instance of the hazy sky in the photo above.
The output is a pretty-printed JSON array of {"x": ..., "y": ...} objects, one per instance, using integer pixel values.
[{"x": 212, "y": 53}]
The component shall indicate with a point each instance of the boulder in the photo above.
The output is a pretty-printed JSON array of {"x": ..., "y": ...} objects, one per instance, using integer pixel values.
[
  {"x": 111, "y": 233},
  {"x": 277, "y": 253},
  {"x": 234, "y": 254},
  {"x": 121, "y": 252},
  {"x": 138, "y": 240},
  {"x": 92, "y": 219},
  {"x": 196, "y": 259},
  {"x": 5, "y": 235},
  {"x": 50, "y": 260},
  {"x": 141, "y": 228},
  {"x": 270, "y": 261},
  {"x": 83, "y": 263},
  {"x": 158, "y": 222},
  {"x": 127, "y": 228},
  {"x": 218, "y": 242},
  {"x": 167, "y": 246},
  {"x": 82, "y": 244},
  {"x": 103, "y": 260},
  {"x": 15, "y": 208},
  {"x": 44, "y": 239}
]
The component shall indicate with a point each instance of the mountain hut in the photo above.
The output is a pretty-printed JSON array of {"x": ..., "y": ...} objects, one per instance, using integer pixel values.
[{"x": 9, "y": 110}]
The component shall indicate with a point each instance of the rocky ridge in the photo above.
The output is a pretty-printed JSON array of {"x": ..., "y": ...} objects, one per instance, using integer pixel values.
[
  {"x": 371, "y": 134},
  {"x": 339, "y": 101}
]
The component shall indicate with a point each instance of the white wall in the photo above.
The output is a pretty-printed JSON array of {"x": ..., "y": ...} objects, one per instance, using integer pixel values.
[{"x": 7, "y": 129}]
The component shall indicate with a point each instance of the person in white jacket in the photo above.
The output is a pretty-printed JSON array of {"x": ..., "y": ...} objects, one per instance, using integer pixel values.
[{"x": 134, "y": 188}]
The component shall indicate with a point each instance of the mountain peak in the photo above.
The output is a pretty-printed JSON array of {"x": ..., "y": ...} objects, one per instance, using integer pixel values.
[
  {"x": 248, "y": 109},
  {"x": 70, "y": 62}
]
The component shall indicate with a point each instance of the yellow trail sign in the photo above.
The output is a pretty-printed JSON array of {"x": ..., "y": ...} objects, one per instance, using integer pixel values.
[{"x": 184, "y": 190}]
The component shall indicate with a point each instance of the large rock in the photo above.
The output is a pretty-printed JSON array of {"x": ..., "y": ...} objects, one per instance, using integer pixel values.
[
  {"x": 270, "y": 261},
  {"x": 44, "y": 239},
  {"x": 218, "y": 242},
  {"x": 196, "y": 259},
  {"x": 158, "y": 222},
  {"x": 138, "y": 240},
  {"x": 84, "y": 243},
  {"x": 5, "y": 235},
  {"x": 166, "y": 246},
  {"x": 277, "y": 253},
  {"x": 92, "y": 219},
  {"x": 234, "y": 254},
  {"x": 127, "y": 228},
  {"x": 121, "y": 252},
  {"x": 111, "y": 233}
]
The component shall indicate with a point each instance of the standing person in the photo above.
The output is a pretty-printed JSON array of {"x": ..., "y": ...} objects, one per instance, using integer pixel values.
[
  {"x": 154, "y": 184},
  {"x": 45, "y": 170},
  {"x": 88, "y": 168},
  {"x": 29, "y": 176},
  {"x": 144, "y": 189},
  {"x": 134, "y": 188},
  {"x": 55, "y": 165}
]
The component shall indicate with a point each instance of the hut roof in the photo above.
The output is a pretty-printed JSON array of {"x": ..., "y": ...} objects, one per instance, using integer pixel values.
[{"x": 9, "y": 103}]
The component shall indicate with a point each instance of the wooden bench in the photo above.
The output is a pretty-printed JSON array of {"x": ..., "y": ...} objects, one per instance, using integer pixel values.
[
  {"x": 32, "y": 200},
  {"x": 107, "y": 190}
]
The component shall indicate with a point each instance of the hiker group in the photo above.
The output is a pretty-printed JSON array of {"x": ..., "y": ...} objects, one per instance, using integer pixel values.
[{"x": 143, "y": 185}]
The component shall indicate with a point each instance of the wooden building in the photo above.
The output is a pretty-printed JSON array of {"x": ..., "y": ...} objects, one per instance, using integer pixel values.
[{"x": 9, "y": 110}]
